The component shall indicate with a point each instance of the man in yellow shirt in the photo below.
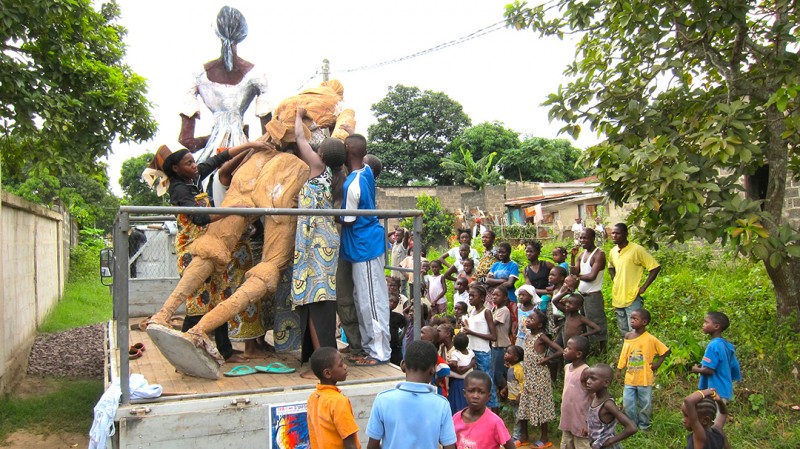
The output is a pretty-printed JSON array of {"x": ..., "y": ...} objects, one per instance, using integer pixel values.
[{"x": 627, "y": 262}]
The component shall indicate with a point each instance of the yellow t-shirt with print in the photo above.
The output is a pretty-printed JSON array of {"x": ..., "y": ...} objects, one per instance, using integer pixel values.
[
  {"x": 629, "y": 264},
  {"x": 637, "y": 354}
]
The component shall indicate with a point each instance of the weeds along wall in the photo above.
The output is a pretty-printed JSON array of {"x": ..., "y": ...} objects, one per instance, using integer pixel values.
[{"x": 35, "y": 260}]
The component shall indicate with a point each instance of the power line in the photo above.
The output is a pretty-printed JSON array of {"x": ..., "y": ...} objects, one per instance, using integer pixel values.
[{"x": 475, "y": 34}]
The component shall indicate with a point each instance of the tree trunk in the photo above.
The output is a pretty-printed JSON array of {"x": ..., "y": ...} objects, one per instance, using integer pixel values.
[{"x": 786, "y": 281}]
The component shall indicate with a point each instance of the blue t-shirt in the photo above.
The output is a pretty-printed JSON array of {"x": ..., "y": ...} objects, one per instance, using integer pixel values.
[
  {"x": 506, "y": 270},
  {"x": 363, "y": 239},
  {"x": 720, "y": 356},
  {"x": 411, "y": 416}
]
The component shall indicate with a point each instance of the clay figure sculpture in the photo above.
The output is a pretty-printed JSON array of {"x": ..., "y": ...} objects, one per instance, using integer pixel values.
[
  {"x": 323, "y": 117},
  {"x": 268, "y": 179}
]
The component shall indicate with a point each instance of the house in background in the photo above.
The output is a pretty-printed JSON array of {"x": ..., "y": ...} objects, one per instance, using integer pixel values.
[{"x": 560, "y": 203}]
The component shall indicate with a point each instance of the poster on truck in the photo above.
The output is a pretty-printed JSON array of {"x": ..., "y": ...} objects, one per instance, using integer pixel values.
[{"x": 288, "y": 427}]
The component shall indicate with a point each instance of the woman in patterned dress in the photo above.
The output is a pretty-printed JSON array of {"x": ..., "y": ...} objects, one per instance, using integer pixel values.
[
  {"x": 536, "y": 400},
  {"x": 317, "y": 243}
]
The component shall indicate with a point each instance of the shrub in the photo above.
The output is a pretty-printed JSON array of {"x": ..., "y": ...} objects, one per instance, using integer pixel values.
[{"x": 437, "y": 223}]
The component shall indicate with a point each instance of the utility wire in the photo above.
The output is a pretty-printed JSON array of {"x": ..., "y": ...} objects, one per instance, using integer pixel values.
[{"x": 481, "y": 32}]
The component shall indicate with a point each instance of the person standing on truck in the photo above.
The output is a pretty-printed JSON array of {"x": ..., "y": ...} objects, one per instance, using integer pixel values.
[{"x": 184, "y": 177}]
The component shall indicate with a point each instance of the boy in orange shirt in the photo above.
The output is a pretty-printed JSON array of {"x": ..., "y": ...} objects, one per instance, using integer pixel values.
[{"x": 331, "y": 423}]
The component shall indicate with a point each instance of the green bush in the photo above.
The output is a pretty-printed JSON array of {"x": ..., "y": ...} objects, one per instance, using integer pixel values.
[
  {"x": 84, "y": 259},
  {"x": 437, "y": 223}
]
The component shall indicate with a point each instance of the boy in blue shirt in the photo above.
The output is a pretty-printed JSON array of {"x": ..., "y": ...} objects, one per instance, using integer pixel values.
[
  {"x": 391, "y": 427},
  {"x": 719, "y": 368},
  {"x": 363, "y": 245}
]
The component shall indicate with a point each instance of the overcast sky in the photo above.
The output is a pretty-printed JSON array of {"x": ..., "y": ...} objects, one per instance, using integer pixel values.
[{"x": 501, "y": 76}]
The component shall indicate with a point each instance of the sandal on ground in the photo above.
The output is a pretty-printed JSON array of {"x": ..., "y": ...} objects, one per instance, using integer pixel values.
[
  {"x": 540, "y": 445},
  {"x": 521, "y": 444},
  {"x": 275, "y": 368},
  {"x": 134, "y": 353},
  {"x": 240, "y": 370},
  {"x": 370, "y": 361},
  {"x": 139, "y": 346}
]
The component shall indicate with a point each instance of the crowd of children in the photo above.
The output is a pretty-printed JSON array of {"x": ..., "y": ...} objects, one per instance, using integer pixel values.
[{"x": 484, "y": 354}]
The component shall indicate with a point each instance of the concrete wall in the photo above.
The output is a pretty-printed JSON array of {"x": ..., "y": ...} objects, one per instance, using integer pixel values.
[
  {"x": 34, "y": 264},
  {"x": 791, "y": 202}
]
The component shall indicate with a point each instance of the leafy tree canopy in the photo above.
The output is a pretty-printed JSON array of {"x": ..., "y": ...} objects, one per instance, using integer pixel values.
[
  {"x": 539, "y": 159},
  {"x": 412, "y": 134},
  {"x": 485, "y": 138},
  {"x": 136, "y": 191},
  {"x": 65, "y": 94},
  {"x": 698, "y": 102}
]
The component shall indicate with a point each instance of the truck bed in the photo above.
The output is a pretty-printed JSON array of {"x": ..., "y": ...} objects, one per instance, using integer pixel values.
[{"x": 157, "y": 370}]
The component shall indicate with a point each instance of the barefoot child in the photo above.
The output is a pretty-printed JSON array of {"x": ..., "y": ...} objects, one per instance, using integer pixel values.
[
  {"x": 699, "y": 411},
  {"x": 479, "y": 326},
  {"x": 575, "y": 399},
  {"x": 536, "y": 402},
  {"x": 642, "y": 354},
  {"x": 603, "y": 412},
  {"x": 476, "y": 426},
  {"x": 331, "y": 423},
  {"x": 513, "y": 387},
  {"x": 462, "y": 361}
]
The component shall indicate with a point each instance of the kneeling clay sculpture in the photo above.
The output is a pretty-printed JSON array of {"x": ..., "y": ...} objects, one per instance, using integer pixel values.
[{"x": 268, "y": 179}]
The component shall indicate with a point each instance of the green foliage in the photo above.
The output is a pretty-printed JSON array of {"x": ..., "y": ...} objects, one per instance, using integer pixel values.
[
  {"x": 137, "y": 192},
  {"x": 64, "y": 406},
  {"x": 412, "y": 134},
  {"x": 88, "y": 197},
  {"x": 437, "y": 223},
  {"x": 692, "y": 98},
  {"x": 486, "y": 138},
  {"x": 476, "y": 174},
  {"x": 65, "y": 94},
  {"x": 539, "y": 159}
]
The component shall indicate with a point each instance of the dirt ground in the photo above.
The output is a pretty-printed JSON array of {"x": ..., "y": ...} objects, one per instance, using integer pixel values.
[{"x": 59, "y": 440}]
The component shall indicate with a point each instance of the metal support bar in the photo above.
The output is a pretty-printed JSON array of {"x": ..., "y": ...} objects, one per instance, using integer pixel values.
[
  {"x": 121, "y": 302},
  {"x": 417, "y": 276}
]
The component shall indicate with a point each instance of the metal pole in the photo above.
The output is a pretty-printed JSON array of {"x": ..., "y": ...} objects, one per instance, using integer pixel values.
[
  {"x": 417, "y": 277},
  {"x": 121, "y": 302}
]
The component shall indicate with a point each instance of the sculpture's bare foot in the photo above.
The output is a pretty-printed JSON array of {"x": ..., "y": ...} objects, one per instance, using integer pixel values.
[
  {"x": 188, "y": 353},
  {"x": 161, "y": 318}
]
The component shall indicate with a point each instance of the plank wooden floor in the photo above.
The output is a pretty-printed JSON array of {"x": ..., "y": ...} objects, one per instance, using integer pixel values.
[{"x": 155, "y": 368}]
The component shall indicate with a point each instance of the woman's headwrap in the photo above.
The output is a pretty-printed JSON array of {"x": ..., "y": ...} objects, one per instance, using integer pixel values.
[
  {"x": 232, "y": 29},
  {"x": 159, "y": 170}
]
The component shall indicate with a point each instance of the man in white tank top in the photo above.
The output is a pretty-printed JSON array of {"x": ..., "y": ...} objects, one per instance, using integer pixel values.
[{"x": 590, "y": 270}]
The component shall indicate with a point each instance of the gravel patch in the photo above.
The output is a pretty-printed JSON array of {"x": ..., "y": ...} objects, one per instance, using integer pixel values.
[{"x": 76, "y": 352}]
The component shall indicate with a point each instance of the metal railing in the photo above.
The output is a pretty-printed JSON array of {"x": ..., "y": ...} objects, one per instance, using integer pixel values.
[{"x": 128, "y": 215}]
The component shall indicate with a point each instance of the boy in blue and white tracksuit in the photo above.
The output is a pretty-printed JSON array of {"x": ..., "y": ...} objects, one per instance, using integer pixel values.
[{"x": 363, "y": 245}]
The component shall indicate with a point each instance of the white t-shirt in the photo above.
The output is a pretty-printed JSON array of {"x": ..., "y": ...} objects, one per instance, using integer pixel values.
[{"x": 461, "y": 359}]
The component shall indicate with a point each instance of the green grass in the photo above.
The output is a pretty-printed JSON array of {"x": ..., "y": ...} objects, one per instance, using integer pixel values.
[
  {"x": 85, "y": 302},
  {"x": 67, "y": 407}
]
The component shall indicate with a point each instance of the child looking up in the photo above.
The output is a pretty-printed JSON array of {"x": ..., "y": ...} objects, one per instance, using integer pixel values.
[
  {"x": 476, "y": 426},
  {"x": 699, "y": 411},
  {"x": 575, "y": 399},
  {"x": 575, "y": 324},
  {"x": 642, "y": 354},
  {"x": 461, "y": 360},
  {"x": 515, "y": 379},
  {"x": 528, "y": 300},
  {"x": 479, "y": 326},
  {"x": 461, "y": 293},
  {"x": 437, "y": 288},
  {"x": 603, "y": 413},
  {"x": 389, "y": 426},
  {"x": 536, "y": 401},
  {"x": 331, "y": 423},
  {"x": 720, "y": 367},
  {"x": 502, "y": 323}
]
